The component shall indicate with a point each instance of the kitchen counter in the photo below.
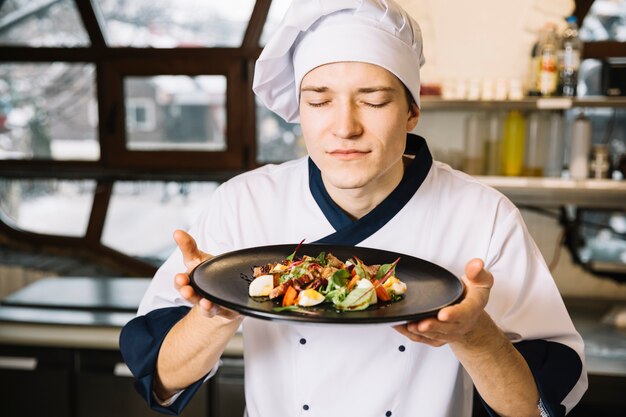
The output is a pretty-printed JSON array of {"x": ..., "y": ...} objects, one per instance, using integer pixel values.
[
  {"x": 76, "y": 312},
  {"x": 90, "y": 312}
]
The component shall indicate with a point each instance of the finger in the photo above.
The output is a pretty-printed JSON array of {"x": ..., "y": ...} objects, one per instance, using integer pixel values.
[
  {"x": 419, "y": 338},
  {"x": 206, "y": 304},
  {"x": 189, "y": 294},
  {"x": 192, "y": 256},
  {"x": 472, "y": 304},
  {"x": 442, "y": 331},
  {"x": 180, "y": 280},
  {"x": 433, "y": 329},
  {"x": 476, "y": 275},
  {"x": 478, "y": 282}
]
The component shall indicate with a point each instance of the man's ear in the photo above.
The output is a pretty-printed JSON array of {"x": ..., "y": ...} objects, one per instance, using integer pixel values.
[{"x": 413, "y": 117}]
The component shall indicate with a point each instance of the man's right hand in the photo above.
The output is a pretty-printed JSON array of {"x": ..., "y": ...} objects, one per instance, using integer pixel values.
[{"x": 192, "y": 256}]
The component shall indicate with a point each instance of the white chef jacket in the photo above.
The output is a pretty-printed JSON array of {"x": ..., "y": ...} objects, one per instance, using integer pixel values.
[{"x": 372, "y": 370}]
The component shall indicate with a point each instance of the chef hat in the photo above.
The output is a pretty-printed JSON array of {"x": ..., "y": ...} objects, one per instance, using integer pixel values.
[{"x": 318, "y": 32}]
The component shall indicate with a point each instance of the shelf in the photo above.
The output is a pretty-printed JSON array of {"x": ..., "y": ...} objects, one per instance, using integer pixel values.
[
  {"x": 553, "y": 192},
  {"x": 528, "y": 103}
]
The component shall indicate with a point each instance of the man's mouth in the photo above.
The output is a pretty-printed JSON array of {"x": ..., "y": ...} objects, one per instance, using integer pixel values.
[{"x": 347, "y": 154}]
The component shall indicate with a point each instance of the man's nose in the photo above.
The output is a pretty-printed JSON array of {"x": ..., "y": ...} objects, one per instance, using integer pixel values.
[{"x": 347, "y": 123}]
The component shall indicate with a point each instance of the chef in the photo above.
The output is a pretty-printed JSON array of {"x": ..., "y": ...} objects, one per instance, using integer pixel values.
[{"x": 348, "y": 72}]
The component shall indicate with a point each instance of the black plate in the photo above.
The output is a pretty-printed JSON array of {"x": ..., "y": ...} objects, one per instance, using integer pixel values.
[{"x": 429, "y": 286}]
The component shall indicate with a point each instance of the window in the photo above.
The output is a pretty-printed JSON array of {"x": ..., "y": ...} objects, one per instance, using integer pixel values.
[
  {"x": 137, "y": 206},
  {"x": 176, "y": 112},
  {"x": 277, "y": 140},
  {"x": 176, "y": 23},
  {"x": 54, "y": 207},
  {"x": 41, "y": 23},
  {"x": 140, "y": 115},
  {"x": 44, "y": 111},
  {"x": 112, "y": 109}
]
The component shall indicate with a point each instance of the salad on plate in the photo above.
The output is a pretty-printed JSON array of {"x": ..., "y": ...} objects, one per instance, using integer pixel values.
[{"x": 348, "y": 285}]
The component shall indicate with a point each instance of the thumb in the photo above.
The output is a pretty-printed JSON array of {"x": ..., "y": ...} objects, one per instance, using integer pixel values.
[
  {"x": 478, "y": 281},
  {"x": 192, "y": 256}
]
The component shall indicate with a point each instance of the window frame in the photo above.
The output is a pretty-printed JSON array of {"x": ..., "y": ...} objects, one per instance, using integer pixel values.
[{"x": 118, "y": 163}]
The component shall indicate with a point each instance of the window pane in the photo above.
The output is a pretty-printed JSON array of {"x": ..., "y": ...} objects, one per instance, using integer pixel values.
[
  {"x": 54, "y": 207},
  {"x": 48, "y": 111},
  {"x": 275, "y": 15},
  {"x": 176, "y": 112},
  {"x": 41, "y": 24},
  {"x": 176, "y": 23},
  {"x": 277, "y": 140},
  {"x": 143, "y": 215},
  {"x": 606, "y": 21}
]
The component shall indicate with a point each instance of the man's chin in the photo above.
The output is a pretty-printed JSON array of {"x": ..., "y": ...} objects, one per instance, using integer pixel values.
[{"x": 345, "y": 182}]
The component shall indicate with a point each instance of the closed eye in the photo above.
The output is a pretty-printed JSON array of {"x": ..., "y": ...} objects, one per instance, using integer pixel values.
[
  {"x": 376, "y": 105},
  {"x": 317, "y": 104}
]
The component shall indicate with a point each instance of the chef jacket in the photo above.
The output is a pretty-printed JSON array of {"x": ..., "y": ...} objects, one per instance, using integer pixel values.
[{"x": 435, "y": 213}]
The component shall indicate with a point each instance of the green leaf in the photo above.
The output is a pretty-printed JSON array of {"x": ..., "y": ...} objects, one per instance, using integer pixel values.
[
  {"x": 336, "y": 296},
  {"x": 360, "y": 271},
  {"x": 321, "y": 258},
  {"x": 382, "y": 271},
  {"x": 339, "y": 279},
  {"x": 358, "y": 299}
]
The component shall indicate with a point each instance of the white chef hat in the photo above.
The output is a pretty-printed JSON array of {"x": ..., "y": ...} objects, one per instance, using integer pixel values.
[{"x": 318, "y": 32}]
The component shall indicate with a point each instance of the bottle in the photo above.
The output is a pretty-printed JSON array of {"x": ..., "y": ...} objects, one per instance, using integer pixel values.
[
  {"x": 536, "y": 140},
  {"x": 473, "y": 158},
  {"x": 548, "y": 64},
  {"x": 580, "y": 146},
  {"x": 533, "y": 71},
  {"x": 513, "y": 143},
  {"x": 600, "y": 165},
  {"x": 553, "y": 166},
  {"x": 493, "y": 145},
  {"x": 569, "y": 58}
]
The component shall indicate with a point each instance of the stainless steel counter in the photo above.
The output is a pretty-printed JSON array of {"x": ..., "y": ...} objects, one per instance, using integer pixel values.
[
  {"x": 76, "y": 312},
  {"x": 90, "y": 312}
]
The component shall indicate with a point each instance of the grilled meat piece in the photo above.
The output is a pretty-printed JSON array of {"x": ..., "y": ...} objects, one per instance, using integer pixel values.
[
  {"x": 332, "y": 260},
  {"x": 328, "y": 272},
  {"x": 280, "y": 289},
  {"x": 319, "y": 282},
  {"x": 257, "y": 271}
]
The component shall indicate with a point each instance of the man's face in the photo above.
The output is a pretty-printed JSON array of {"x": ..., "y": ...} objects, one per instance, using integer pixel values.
[{"x": 354, "y": 119}]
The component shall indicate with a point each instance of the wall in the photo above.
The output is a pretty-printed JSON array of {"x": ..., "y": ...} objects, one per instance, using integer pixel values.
[{"x": 481, "y": 38}]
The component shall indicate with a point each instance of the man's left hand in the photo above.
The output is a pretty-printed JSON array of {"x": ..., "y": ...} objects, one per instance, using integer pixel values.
[{"x": 458, "y": 322}]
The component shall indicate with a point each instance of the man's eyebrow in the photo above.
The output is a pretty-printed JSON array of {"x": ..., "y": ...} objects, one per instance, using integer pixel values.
[
  {"x": 314, "y": 89},
  {"x": 364, "y": 90},
  {"x": 368, "y": 90}
]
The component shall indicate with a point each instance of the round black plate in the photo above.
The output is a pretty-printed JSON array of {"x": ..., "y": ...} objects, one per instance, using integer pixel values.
[{"x": 429, "y": 286}]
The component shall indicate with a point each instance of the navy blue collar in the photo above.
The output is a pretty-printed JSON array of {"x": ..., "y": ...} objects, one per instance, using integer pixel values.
[{"x": 352, "y": 232}]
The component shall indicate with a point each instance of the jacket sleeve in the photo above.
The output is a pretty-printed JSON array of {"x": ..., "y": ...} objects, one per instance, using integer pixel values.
[
  {"x": 556, "y": 369},
  {"x": 140, "y": 341},
  {"x": 526, "y": 304},
  {"x": 162, "y": 307}
]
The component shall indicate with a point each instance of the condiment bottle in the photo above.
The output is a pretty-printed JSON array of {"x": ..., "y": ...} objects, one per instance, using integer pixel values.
[
  {"x": 548, "y": 66},
  {"x": 579, "y": 148},
  {"x": 473, "y": 159},
  {"x": 493, "y": 145},
  {"x": 553, "y": 166},
  {"x": 513, "y": 143}
]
